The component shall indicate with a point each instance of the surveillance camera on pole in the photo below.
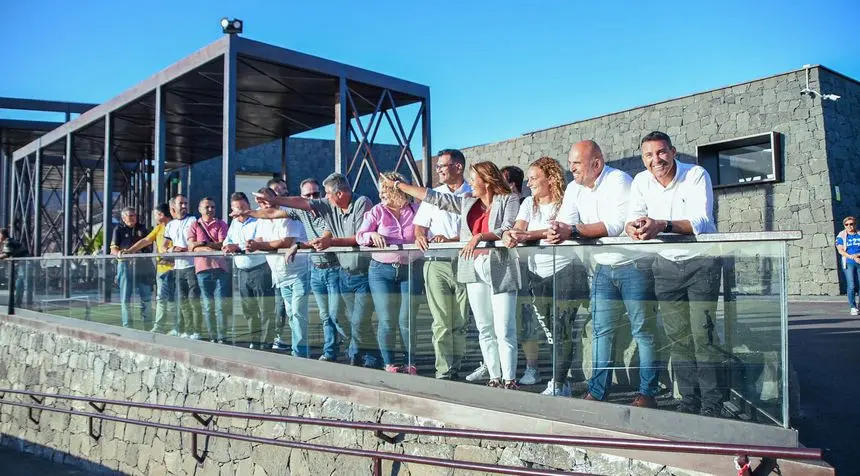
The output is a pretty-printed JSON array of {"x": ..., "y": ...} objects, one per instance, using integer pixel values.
[{"x": 813, "y": 93}]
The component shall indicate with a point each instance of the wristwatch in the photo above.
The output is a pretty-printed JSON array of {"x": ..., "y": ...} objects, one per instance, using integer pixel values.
[
  {"x": 669, "y": 227},
  {"x": 574, "y": 232}
]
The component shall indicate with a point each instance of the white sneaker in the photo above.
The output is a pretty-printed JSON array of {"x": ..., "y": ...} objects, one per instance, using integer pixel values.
[
  {"x": 173, "y": 333},
  {"x": 481, "y": 373},
  {"x": 553, "y": 389},
  {"x": 854, "y": 311},
  {"x": 194, "y": 336},
  {"x": 184, "y": 335},
  {"x": 251, "y": 346},
  {"x": 531, "y": 376}
]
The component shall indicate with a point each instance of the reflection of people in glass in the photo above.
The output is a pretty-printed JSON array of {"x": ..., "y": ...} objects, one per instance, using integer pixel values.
[
  {"x": 446, "y": 297},
  {"x": 12, "y": 248},
  {"x": 848, "y": 245},
  {"x": 135, "y": 277},
  {"x": 595, "y": 205},
  {"x": 675, "y": 197},
  {"x": 492, "y": 277},
  {"x": 553, "y": 275},
  {"x": 392, "y": 275}
]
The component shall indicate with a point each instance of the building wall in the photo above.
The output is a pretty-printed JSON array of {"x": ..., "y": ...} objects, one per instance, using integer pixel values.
[
  {"x": 801, "y": 201},
  {"x": 842, "y": 139},
  {"x": 306, "y": 158}
]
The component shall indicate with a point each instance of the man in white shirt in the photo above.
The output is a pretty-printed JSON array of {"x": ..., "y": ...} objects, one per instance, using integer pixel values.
[
  {"x": 446, "y": 298},
  {"x": 675, "y": 197},
  {"x": 594, "y": 206},
  {"x": 291, "y": 280},
  {"x": 190, "y": 313},
  {"x": 255, "y": 278}
]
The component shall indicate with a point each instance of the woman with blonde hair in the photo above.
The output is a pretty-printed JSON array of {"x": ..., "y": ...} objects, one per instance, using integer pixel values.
[
  {"x": 492, "y": 277},
  {"x": 553, "y": 277},
  {"x": 390, "y": 223}
]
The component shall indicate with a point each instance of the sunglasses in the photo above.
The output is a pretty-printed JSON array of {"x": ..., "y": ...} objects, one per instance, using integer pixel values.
[{"x": 850, "y": 223}]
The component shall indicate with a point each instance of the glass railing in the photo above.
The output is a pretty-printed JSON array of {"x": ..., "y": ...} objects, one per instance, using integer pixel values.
[{"x": 681, "y": 324}]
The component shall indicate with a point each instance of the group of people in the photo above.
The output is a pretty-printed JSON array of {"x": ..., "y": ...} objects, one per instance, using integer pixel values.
[{"x": 514, "y": 293}]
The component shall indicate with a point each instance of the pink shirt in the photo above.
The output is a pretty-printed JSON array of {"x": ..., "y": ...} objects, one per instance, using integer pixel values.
[
  {"x": 213, "y": 232},
  {"x": 397, "y": 231}
]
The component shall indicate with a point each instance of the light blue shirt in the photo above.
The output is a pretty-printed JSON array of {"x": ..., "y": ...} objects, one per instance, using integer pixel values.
[{"x": 239, "y": 234}]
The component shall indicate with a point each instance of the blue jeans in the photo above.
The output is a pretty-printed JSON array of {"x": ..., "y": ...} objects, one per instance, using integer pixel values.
[
  {"x": 295, "y": 299},
  {"x": 215, "y": 290},
  {"x": 614, "y": 288},
  {"x": 164, "y": 302},
  {"x": 128, "y": 285},
  {"x": 325, "y": 284},
  {"x": 851, "y": 269},
  {"x": 394, "y": 294},
  {"x": 355, "y": 291}
]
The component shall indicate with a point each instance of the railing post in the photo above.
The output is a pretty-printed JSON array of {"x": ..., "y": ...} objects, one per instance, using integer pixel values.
[{"x": 10, "y": 305}]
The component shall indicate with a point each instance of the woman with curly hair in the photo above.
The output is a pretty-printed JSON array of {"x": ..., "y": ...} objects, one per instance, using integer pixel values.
[
  {"x": 492, "y": 277},
  {"x": 558, "y": 277}
]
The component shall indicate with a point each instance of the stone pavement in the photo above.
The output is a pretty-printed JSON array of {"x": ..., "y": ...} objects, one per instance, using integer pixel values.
[{"x": 824, "y": 347}]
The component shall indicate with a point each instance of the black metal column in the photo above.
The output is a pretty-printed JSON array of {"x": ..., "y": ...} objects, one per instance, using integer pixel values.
[
  {"x": 13, "y": 198},
  {"x": 90, "y": 178},
  {"x": 68, "y": 197},
  {"x": 36, "y": 187},
  {"x": 341, "y": 127},
  {"x": 427, "y": 151},
  {"x": 228, "y": 131},
  {"x": 159, "y": 150},
  {"x": 284, "y": 159},
  {"x": 5, "y": 159},
  {"x": 107, "y": 187}
]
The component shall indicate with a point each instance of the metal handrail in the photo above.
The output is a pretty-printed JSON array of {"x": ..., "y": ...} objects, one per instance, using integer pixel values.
[
  {"x": 710, "y": 238},
  {"x": 775, "y": 452}
]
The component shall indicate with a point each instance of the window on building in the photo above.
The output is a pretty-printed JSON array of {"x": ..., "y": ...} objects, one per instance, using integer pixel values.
[{"x": 742, "y": 161}]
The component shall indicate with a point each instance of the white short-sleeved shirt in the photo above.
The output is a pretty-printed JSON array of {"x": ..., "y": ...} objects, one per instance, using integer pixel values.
[
  {"x": 239, "y": 234},
  {"x": 438, "y": 221},
  {"x": 689, "y": 196},
  {"x": 177, "y": 232},
  {"x": 544, "y": 263},
  {"x": 284, "y": 274}
]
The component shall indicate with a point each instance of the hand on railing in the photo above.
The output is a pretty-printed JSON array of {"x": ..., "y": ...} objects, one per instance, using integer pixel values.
[
  {"x": 643, "y": 228},
  {"x": 231, "y": 249},
  {"x": 558, "y": 232},
  {"x": 378, "y": 240},
  {"x": 321, "y": 243},
  {"x": 468, "y": 251}
]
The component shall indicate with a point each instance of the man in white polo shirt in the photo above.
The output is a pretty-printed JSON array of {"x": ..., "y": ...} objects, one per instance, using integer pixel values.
[
  {"x": 445, "y": 296},
  {"x": 187, "y": 288},
  {"x": 675, "y": 197},
  {"x": 255, "y": 278},
  {"x": 594, "y": 206}
]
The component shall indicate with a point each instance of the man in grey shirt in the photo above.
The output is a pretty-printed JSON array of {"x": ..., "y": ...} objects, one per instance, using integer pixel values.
[{"x": 343, "y": 213}]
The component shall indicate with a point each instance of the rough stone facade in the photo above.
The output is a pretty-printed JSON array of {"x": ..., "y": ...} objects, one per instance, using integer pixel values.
[
  {"x": 306, "y": 158},
  {"x": 38, "y": 360},
  {"x": 820, "y": 148}
]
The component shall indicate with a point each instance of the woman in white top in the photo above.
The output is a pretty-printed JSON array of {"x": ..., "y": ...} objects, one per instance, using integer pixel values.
[{"x": 550, "y": 271}]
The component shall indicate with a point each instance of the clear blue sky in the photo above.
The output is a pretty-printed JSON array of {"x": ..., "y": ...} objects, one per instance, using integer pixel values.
[{"x": 496, "y": 69}]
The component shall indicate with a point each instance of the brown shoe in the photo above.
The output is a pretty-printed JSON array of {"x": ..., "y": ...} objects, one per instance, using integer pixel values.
[{"x": 644, "y": 401}]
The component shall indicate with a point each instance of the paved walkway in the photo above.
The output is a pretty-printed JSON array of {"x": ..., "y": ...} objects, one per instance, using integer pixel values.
[
  {"x": 824, "y": 347},
  {"x": 25, "y": 464}
]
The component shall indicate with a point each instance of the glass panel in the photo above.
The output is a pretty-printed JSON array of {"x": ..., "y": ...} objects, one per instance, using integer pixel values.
[{"x": 6, "y": 279}]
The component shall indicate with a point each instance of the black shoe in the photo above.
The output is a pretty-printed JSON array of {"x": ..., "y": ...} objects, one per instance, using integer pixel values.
[
  {"x": 688, "y": 407},
  {"x": 715, "y": 411}
]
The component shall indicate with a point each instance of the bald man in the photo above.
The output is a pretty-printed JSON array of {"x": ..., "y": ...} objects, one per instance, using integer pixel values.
[{"x": 594, "y": 206}]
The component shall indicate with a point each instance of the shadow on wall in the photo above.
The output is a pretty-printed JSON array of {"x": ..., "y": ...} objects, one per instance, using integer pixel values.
[{"x": 23, "y": 458}]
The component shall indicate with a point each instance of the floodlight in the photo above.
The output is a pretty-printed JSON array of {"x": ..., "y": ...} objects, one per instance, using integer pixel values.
[{"x": 231, "y": 27}]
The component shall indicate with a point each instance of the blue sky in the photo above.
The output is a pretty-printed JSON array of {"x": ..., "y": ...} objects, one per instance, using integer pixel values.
[{"x": 496, "y": 69}]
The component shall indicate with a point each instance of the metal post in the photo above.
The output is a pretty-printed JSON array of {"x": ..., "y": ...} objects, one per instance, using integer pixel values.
[
  {"x": 105, "y": 278},
  {"x": 10, "y": 307},
  {"x": 341, "y": 127},
  {"x": 36, "y": 187},
  {"x": 5, "y": 158},
  {"x": 228, "y": 131},
  {"x": 159, "y": 149},
  {"x": 148, "y": 204},
  {"x": 427, "y": 152},
  {"x": 284, "y": 159},
  {"x": 68, "y": 197},
  {"x": 13, "y": 193},
  {"x": 90, "y": 178}
]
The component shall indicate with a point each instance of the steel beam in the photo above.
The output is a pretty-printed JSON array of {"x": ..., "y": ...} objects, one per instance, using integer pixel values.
[
  {"x": 228, "y": 130},
  {"x": 107, "y": 187},
  {"x": 284, "y": 159},
  {"x": 159, "y": 149},
  {"x": 341, "y": 127},
  {"x": 68, "y": 196},
  {"x": 426, "y": 151},
  {"x": 42, "y": 105},
  {"x": 5, "y": 158},
  {"x": 90, "y": 179},
  {"x": 36, "y": 187}
]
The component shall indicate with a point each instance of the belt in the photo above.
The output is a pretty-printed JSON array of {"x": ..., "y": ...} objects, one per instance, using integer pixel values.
[
  {"x": 444, "y": 259},
  {"x": 326, "y": 265},
  {"x": 394, "y": 265}
]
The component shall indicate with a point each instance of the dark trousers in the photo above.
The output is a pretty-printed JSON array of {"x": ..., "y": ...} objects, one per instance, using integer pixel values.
[
  {"x": 687, "y": 292},
  {"x": 255, "y": 288},
  {"x": 188, "y": 295}
]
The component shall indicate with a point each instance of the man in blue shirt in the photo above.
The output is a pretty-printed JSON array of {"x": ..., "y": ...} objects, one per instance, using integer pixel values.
[{"x": 848, "y": 245}]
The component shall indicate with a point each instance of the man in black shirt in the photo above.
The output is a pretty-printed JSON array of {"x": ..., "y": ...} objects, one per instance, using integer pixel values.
[
  {"x": 134, "y": 274},
  {"x": 12, "y": 248}
]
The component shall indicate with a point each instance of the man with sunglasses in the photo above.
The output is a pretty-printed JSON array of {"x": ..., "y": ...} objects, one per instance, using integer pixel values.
[{"x": 848, "y": 245}]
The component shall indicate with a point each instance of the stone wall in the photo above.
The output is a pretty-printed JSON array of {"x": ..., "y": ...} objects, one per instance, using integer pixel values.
[
  {"x": 801, "y": 201},
  {"x": 50, "y": 361},
  {"x": 842, "y": 124},
  {"x": 306, "y": 158}
]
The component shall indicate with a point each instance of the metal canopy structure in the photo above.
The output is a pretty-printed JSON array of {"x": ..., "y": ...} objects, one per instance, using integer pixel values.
[{"x": 233, "y": 94}]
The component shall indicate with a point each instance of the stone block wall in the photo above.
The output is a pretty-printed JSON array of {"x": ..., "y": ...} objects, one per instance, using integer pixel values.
[
  {"x": 306, "y": 158},
  {"x": 37, "y": 359},
  {"x": 801, "y": 201}
]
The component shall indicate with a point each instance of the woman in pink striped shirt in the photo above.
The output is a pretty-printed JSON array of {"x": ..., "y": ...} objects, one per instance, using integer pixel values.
[{"x": 390, "y": 223}]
